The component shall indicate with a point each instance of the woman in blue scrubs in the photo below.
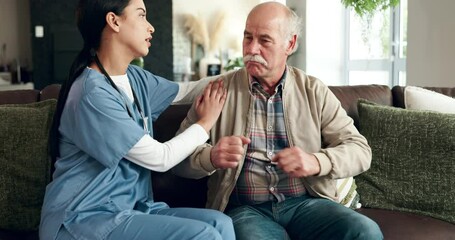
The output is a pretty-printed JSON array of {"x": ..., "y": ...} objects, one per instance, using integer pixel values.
[{"x": 102, "y": 138}]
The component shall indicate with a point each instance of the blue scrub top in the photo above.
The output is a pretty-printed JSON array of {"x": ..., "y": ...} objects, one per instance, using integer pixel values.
[{"x": 94, "y": 188}]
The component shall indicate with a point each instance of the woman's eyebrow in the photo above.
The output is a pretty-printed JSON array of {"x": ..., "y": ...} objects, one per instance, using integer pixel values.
[{"x": 141, "y": 9}]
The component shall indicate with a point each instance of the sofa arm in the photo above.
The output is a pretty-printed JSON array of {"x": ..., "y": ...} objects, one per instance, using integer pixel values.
[{"x": 50, "y": 92}]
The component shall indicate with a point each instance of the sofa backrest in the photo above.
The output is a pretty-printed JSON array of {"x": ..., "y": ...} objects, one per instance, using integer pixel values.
[
  {"x": 19, "y": 96},
  {"x": 168, "y": 187},
  {"x": 50, "y": 91},
  {"x": 349, "y": 95},
  {"x": 169, "y": 121},
  {"x": 29, "y": 95}
]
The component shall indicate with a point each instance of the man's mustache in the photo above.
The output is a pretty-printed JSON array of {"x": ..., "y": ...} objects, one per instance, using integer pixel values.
[{"x": 255, "y": 58}]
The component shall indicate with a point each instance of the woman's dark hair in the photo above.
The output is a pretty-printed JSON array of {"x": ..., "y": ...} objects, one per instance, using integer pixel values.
[{"x": 91, "y": 20}]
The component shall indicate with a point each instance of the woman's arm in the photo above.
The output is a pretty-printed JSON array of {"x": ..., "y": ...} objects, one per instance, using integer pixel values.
[
  {"x": 156, "y": 156},
  {"x": 160, "y": 157}
]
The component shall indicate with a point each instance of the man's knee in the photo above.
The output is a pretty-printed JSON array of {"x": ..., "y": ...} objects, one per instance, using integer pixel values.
[
  {"x": 363, "y": 228},
  {"x": 243, "y": 214}
]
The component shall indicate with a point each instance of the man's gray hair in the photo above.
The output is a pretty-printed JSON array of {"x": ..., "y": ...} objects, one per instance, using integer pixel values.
[{"x": 294, "y": 27}]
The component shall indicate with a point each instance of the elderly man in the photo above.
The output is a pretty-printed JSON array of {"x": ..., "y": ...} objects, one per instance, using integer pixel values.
[{"x": 281, "y": 142}]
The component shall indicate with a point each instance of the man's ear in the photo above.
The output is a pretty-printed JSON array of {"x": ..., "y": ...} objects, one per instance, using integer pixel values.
[
  {"x": 112, "y": 21},
  {"x": 291, "y": 44}
]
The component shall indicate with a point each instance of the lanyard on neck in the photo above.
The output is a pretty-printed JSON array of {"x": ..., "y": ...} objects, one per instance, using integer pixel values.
[{"x": 136, "y": 101}]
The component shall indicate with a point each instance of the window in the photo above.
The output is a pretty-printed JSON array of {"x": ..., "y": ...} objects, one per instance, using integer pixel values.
[
  {"x": 375, "y": 50},
  {"x": 342, "y": 49}
]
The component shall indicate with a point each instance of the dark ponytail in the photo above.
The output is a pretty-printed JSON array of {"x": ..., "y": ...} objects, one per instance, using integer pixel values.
[
  {"x": 82, "y": 60},
  {"x": 90, "y": 15}
]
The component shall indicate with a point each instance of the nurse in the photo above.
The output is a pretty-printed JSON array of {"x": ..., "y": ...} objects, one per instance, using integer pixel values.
[{"x": 102, "y": 137}]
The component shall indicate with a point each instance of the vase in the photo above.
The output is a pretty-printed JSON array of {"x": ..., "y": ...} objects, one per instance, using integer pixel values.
[{"x": 209, "y": 65}]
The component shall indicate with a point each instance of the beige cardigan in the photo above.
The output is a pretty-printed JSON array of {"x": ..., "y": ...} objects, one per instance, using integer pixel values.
[{"x": 314, "y": 121}]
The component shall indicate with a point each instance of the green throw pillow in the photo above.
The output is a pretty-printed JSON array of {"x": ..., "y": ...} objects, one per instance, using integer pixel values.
[
  {"x": 413, "y": 166},
  {"x": 24, "y": 162}
]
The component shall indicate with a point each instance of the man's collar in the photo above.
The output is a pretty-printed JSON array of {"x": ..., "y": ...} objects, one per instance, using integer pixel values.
[{"x": 253, "y": 80}]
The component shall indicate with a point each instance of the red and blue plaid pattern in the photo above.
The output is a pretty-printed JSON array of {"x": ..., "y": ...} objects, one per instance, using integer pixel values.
[{"x": 260, "y": 180}]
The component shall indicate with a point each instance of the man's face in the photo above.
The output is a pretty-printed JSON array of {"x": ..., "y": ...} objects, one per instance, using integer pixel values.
[{"x": 265, "y": 45}]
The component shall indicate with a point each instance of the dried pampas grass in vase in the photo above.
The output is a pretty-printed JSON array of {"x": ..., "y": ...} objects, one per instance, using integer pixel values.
[
  {"x": 217, "y": 31},
  {"x": 210, "y": 64},
  {"x": 197, "y": 30}
]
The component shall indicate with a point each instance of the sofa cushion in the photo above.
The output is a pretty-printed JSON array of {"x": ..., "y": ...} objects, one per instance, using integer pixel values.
[
  {"x": 24, "y": 162},
  {"x": 396, "y": 225},
  {"x": 413, "y": 165},
  {"x": 398, "y": 93},
  {"x": 423, "y": 99},
  {"x": 348, "y": 195}
]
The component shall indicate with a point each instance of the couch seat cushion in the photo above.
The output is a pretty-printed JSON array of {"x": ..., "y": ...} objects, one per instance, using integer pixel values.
[{"x": 396, "y": 225}]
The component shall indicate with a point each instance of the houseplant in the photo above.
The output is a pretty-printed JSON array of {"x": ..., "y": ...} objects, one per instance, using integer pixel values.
[
  {"x": 234, "y": 64},
  {"x": 138, "y": 62},
  {"x": 369, "y": 7}
]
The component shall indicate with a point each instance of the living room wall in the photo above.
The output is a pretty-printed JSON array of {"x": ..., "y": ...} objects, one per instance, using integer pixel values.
[
  {"x": 14, "y": 25},
  {"x": 54, "y": 52},
  {"x": 431, "y": 38}
]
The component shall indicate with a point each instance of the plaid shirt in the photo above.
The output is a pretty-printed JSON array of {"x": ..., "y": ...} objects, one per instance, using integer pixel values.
[{"x": 260, "y": 180}]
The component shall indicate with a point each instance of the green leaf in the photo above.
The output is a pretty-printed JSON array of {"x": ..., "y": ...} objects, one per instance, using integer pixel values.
[
  {"x": 369, "y": 7},
  {"x": 234, "y": 63}
]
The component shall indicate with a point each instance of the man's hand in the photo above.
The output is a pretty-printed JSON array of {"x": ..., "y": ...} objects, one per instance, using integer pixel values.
[
  {"x": 228, "y": 151},
  {"x": 297, "y": 163}
]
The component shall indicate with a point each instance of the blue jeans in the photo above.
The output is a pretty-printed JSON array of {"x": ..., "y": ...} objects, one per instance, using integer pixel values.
[{"x": 302, "y": 217}]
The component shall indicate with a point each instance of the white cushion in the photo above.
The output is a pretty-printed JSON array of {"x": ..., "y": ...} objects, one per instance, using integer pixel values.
[
  {"x": 418, "y": 98},
  {"x": 347, "y": 193}
]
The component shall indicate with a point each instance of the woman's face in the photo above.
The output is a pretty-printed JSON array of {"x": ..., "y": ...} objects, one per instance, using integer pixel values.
[{"x": 135, "y": 31}]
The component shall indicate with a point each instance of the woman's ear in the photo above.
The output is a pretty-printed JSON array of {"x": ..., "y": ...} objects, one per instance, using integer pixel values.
[{"x": 112, "y": 21}]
